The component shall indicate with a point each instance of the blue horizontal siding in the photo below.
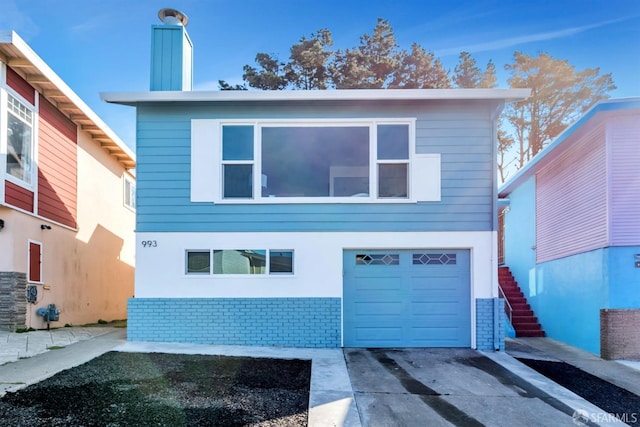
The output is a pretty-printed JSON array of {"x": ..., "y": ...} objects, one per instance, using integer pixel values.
[{"x": 460, "y": 132}]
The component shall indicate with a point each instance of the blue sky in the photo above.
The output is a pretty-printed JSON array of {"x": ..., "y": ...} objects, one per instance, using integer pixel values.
[{"x": 103, "y": 45}]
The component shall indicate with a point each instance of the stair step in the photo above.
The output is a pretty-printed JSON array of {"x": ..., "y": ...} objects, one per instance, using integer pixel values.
[
  {"x": 530, "y": 334},
  {"x": 529, "y": 326},
  {"x": 524, "y": 319},
  {"x": 513, "y": 295},
  {"x": 521, "y": 313}
]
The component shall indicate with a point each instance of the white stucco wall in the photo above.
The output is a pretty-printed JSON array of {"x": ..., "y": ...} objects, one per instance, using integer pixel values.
[{"x": 160, "y": 269}]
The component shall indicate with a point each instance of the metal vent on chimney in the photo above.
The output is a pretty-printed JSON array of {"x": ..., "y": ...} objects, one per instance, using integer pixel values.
[{"x": 173, "y": 17}]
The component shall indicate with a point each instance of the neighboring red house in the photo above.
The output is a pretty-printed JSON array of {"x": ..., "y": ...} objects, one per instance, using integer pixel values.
[{"x": 66, "y": 205}]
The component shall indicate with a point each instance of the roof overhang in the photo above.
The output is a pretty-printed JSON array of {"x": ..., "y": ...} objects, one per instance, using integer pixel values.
[
  {"x": 133, "y": 98},
  {"x": 20, "y": 57}
]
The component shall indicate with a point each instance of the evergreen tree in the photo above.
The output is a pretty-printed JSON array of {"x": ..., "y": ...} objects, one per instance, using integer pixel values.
[
  {"x": 308, "y": 66},
  {"x": 419, "y": 70},
  {"x": 467, "y": 74},
  {"x": 372, "y": 64},
  {"x": 270, "y": 76},
  {"x": 559, "y": 95}
]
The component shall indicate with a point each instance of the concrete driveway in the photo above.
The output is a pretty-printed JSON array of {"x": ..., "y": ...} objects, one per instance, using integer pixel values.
[{"x": 444, "y": 387}]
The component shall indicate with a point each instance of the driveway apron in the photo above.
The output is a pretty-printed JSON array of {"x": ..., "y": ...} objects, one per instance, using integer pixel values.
[{"x": 446, "y": 387}]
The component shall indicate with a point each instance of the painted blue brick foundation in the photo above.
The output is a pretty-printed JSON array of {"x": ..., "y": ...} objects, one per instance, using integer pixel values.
[
  {"x": 295, "y": 322},
  {"x": 490, "y": 327}
]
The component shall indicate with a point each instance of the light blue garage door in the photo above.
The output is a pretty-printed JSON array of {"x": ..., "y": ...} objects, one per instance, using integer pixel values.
[{"x": 418, "y": 298}]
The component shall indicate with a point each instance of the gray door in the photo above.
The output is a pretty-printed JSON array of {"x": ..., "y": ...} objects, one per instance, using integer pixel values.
[{"x": 402, "y": 298}]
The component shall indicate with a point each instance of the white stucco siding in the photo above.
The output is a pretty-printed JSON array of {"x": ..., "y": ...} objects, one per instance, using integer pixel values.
[{"x": 160, "y": 262}]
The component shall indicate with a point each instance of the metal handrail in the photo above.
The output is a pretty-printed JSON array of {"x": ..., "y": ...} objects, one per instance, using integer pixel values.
[{"x": 510, "y": 311}]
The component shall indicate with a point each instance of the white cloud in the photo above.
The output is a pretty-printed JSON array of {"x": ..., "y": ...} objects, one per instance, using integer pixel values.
[{"x": 519, "y": 40}]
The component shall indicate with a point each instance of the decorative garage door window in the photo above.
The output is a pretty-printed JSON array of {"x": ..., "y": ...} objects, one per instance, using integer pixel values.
[
  {"x": 377, "y": 259},
  {"x": 434, "y": 259}
]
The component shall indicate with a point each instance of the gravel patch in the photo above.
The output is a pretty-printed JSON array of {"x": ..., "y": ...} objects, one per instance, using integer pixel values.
[
  {"x": 613, "y": 399},
  {"x": 145, "y": 389}
]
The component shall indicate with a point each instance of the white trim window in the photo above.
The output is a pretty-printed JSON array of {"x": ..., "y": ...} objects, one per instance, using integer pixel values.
[
  {"x": 329, "y": 161},
  {"x": 238, "y": 262},
  {"x": 20, "y": 142},
  {"x": 129, "y": 193}
]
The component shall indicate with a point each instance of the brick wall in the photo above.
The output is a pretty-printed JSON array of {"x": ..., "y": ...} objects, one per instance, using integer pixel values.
[
  {"x": 294, "y": 322},
  {"x": 620, "y": 334},
  {"x": 490, "y": 326},
  {"x": 13, "y": 300}
]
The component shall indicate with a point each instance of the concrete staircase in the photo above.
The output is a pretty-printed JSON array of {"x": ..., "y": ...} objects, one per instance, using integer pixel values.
[{"x": 522, "y": 318}]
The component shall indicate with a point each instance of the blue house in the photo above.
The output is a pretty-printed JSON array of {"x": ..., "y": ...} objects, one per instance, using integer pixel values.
[
  {"x": 356, "y": 218},
  {"x": 572, "y": 229}
]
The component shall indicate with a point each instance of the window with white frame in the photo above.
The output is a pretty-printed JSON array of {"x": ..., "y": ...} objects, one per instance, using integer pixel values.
[
  {"x": 129, "y": 193},
  {"x": 310, "y": 161},
  {"x": 238, "y": 262},
  {"x": 237, "y": 162},
  {"x": 19, "y": 141}
]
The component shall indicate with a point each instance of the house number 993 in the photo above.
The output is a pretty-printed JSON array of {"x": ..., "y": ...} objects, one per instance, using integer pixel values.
[{"x": 149, "y": 243}]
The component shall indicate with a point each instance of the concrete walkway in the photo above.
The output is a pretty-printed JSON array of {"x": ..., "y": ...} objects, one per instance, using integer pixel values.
[
  {"x": 16, "y": 346},
  {"x": 31, "y": 357}
]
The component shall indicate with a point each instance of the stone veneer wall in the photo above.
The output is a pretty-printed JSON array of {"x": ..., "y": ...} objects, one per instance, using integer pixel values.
[
  {"x": 13, "y": 306},
  {"x": 620, "y": 333}
]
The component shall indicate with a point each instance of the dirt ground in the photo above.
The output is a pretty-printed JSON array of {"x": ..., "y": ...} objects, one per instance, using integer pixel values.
[{"x": 145, "y": 389}]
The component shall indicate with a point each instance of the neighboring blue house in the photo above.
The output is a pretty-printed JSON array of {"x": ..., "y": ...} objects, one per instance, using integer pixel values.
[
  {"x": 572, "y": 226},
  {"x": 313, "y": 218}
]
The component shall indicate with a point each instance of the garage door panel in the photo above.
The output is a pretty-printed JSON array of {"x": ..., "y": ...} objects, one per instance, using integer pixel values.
[
  {"x": 448, "y": 334},
  {"x": 408, "y": 303},
  {"x": 387, "y": 333},
  {"x": 423, "y": 308},
  {"x": 366, "y": 283},
  {"x": 379, "y": 309},
  {"x": 436, "y": 295}
]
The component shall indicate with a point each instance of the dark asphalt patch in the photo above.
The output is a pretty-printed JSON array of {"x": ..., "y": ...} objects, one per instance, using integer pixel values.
[
  {"x": 519, "y": 385},
  {"x": 609, "y": 397},
  {"x": 428, "y": 395}
]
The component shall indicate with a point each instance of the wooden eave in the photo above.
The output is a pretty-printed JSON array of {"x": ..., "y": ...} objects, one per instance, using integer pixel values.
[{"x": 15, "y": 53}]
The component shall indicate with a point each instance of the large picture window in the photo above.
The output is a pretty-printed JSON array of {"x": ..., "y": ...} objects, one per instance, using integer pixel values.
[
  {"x": 269, "y": 160},
  {"x": 311, "y": 161},
  {"x": 19, "y": 141},
  {"x": 315, "y": 161}
]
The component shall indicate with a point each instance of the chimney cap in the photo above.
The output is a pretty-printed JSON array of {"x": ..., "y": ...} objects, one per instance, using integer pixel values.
[{"x": 173, "y": 17}]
